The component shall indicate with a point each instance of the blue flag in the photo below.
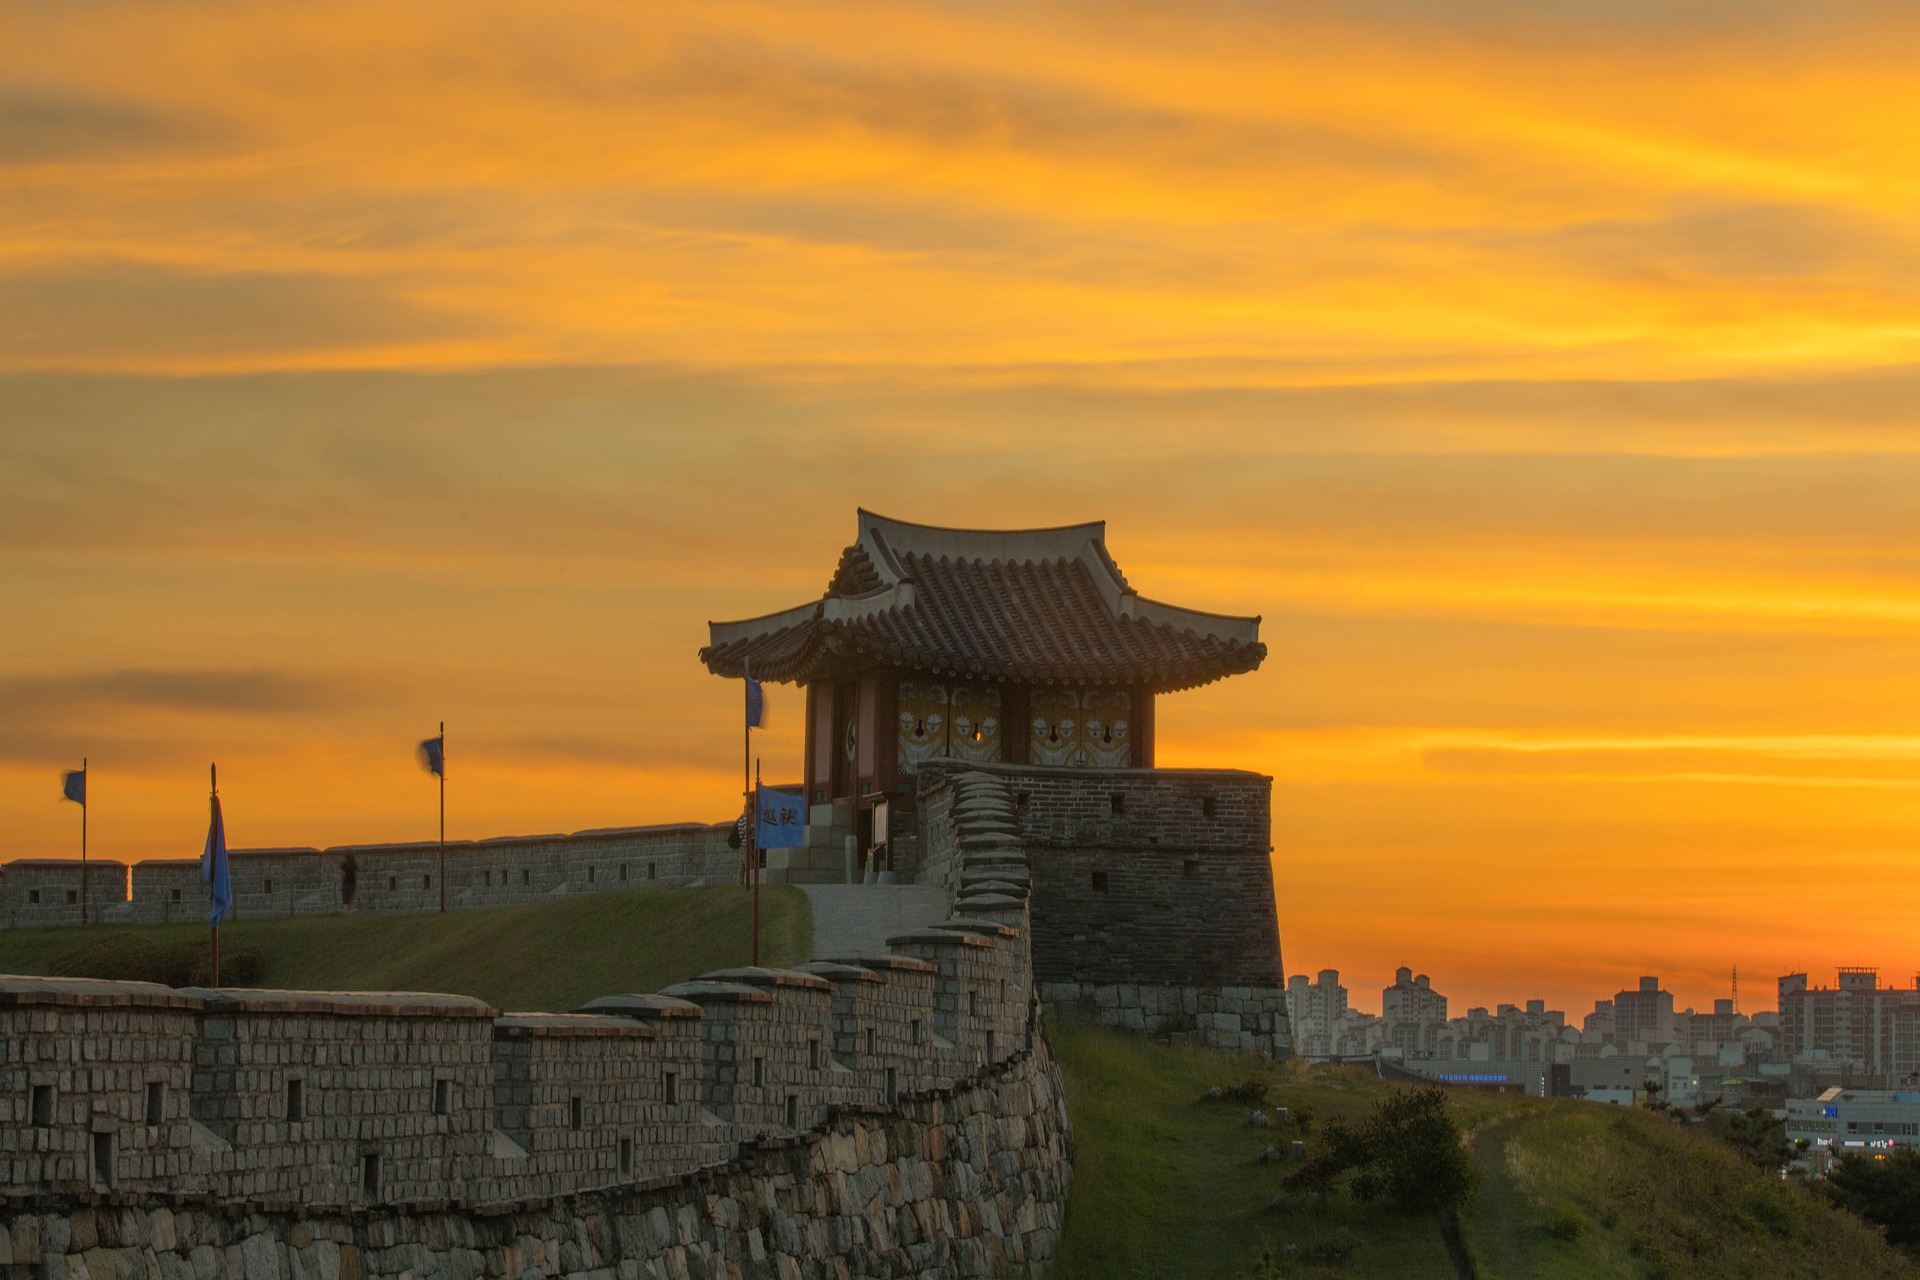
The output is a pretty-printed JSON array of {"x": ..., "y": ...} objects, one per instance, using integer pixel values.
[
  {"x": 756, "y": 704},
  {"x": 74, "y": 786},
  {"x": 213, "y": 867},
  {"x": 780, "y": 819},
  {"x": 433, "y": 754}
]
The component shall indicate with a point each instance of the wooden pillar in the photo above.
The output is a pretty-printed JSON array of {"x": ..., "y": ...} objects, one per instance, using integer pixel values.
[
  {"x": 1016, "y": 724},
  {"x": 1142, "y": 696},
  {"x": 810, "y": 747},
  {"x": 886, "y": 733}
]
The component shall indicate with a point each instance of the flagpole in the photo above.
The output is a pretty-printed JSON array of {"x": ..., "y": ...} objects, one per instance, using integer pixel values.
[
  {"x": 746, "y": 762},
  {"x": 754, "y": 845},
  {"x": 213, "y": 779},
  {"x": 83, "y": 840},
  {"x": 443, "y": 816}
]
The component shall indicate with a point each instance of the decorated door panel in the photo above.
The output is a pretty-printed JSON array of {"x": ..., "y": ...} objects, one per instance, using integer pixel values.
[
  {"x": 1083, "y": 728},
  {"x": 945, "y": 720},
  {"x": 923, "y": 722},
  {"x": 976, "y": 722}
]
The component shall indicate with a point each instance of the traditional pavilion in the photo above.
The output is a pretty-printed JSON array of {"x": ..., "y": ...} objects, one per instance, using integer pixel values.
[{"x": 1017, "y": 645}]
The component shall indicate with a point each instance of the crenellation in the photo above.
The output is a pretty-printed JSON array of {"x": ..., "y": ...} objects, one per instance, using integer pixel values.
[{"x": 506, "y": 871}]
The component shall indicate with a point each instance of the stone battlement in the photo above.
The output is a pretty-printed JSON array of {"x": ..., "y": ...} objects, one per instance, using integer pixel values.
[
  {"x": 1152, "y": 903},
  {"x": 883, "y": 1114},
  {"x": 388, "y": 879},
  {"x": 339, "y": 1101}
]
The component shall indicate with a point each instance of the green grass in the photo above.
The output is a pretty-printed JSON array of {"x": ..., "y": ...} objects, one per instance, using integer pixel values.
[
  {"x": 1167, "y": 1185},
  {"x": 550, "y": 957}
]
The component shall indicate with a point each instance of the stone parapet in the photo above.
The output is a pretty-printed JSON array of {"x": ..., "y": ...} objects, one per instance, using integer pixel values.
[
  {"x": 348, "y": 1101},
  {"x": 1149, "y": 892},
  {"x": 967, "y": 1181},
  {"x": 508, "y": 871}
]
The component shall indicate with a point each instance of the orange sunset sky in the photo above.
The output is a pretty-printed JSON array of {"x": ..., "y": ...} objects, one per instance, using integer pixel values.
[{"x": 1547, "y": 375}]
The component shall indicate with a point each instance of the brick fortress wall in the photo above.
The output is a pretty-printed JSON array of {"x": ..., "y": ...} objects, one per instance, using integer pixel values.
[
  {"x": 396, "y": 879},
  {"x": 884, "y": 1115},
  {"x": 1152, "y": 893}
]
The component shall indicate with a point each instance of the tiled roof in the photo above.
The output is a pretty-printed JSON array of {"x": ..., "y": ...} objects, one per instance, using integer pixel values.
[{"x": 1031, "y": 605}]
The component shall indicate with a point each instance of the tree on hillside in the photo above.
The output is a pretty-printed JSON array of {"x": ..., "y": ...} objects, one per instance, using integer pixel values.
[
  {"x": 1408, "y": 1154},
  {"x": 1884, "y": 1191},
  {"x": 1760, "y": 1136}
]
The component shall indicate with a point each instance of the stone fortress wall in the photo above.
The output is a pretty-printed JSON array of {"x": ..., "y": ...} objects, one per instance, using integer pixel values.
[
  {"x": 399, "y": 879},
  {"x": 860, "y": 1115},
  {"x": 1152, "y": 895}
]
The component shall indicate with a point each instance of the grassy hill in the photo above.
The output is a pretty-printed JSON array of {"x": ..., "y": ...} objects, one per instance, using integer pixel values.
[
  {"x": 1167, "y": 1185},
  {"x": 549, "y": 957}
]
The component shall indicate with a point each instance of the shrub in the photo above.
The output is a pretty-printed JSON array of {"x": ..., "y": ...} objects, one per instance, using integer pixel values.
[
  {"x": 1251, "y": 1092},
  {"x": 1885, "y": 1191},
  {"x": 1758, "y": 1135},
  {"x": 1409, "y": 1154},
  {"x": 1564, "y": 1224}
]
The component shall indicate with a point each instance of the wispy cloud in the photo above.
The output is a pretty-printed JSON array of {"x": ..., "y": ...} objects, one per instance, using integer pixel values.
[{"x": 1546, "y": 374}]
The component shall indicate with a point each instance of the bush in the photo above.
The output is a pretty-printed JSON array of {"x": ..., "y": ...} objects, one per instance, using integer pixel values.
[
  {"x": 133, "y": 957},
  {"x": 1564, "y": 1225},
  {"x": 1409, "y": 1154},
  {"x": 1250, "y": 1092},
  {"x": 1759, "y": 1136},
  {"x": 1883, "y": 1190}
]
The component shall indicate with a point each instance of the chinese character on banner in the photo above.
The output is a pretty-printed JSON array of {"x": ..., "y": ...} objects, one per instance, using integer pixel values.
[{"x": 780, "y": 819}]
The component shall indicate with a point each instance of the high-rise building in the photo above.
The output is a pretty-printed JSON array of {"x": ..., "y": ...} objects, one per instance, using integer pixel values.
[
  {"x": 1858, "y": 1024},
  {"x": 1644, "y": 1016},
  {"x": 1413, "y": 1011},
  {"x": 1317, "y": 1012}
]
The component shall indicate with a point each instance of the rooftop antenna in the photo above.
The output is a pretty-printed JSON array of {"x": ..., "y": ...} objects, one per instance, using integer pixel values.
[{"x": 1736, "y": 988}]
